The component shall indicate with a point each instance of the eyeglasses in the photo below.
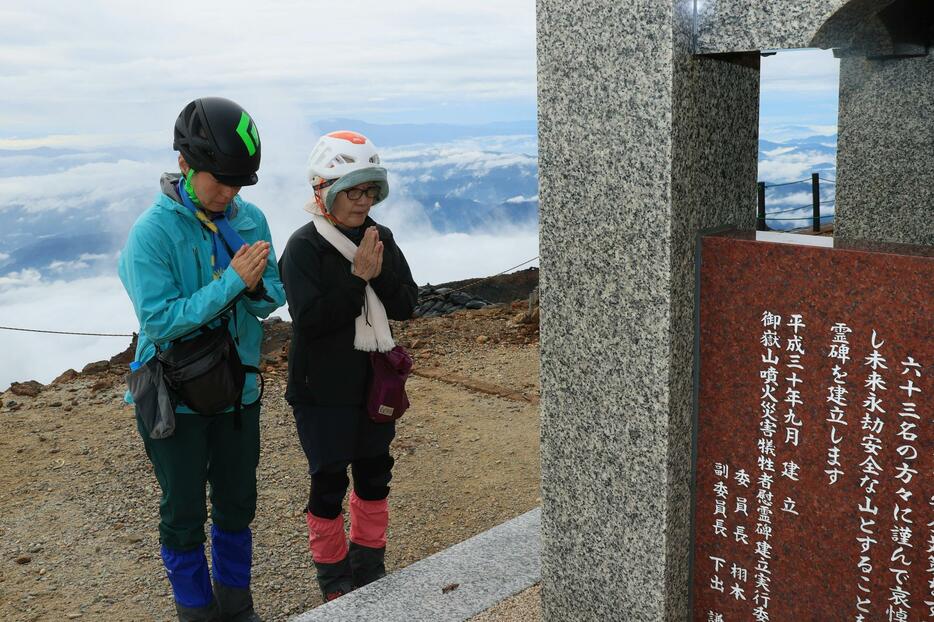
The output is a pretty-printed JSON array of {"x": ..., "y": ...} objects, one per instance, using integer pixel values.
[{"x": 355, "y": 193}]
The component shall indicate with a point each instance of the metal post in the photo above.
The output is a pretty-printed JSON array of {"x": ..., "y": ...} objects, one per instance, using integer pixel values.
[
  {"x": 760, "y": 213},
  {"x": 815, "y": 193}
]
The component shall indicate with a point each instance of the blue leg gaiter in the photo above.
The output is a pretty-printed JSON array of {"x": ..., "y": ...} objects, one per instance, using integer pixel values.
[
  {"x": 232, "y": 556},
  {"x": 188, "y": 574}
]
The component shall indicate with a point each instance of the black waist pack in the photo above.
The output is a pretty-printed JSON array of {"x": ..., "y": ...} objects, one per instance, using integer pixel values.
[{"x": 205, "y": 372}]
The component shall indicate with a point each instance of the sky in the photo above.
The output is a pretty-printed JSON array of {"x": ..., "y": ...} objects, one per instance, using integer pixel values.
[
  {"x": 799, "y": 94},
  {"x": 100, "y": 72},
  {"x": 68, "y": 66},
  {"x": 110, "y": 76}
]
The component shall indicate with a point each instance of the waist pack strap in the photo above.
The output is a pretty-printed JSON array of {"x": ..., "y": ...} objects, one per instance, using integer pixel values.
[
  {"x": 262, "y": 381},
  {"x": 238, "y": 417}
]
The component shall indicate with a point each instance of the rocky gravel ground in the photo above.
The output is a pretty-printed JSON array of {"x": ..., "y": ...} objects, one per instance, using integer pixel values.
[
  {"x": 523, "y": 607},
  {"x": 78, "y": 537}
]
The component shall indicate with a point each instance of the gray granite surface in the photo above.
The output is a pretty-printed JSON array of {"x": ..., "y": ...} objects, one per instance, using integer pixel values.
[
  {"x": 725, "y": 26},
  {"x": 640, "y": 146},
  {"x": 486, "y": 569},
  {"x": 885, "y": 176},
  {"x": 854, "y": 29}
]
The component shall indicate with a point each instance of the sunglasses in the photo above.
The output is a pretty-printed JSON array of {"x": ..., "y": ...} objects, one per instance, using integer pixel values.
[{"x": 355, "y": 193}]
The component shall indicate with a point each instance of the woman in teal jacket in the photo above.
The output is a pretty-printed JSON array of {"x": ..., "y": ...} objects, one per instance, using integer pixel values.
[{"x": 199, "y": 250}]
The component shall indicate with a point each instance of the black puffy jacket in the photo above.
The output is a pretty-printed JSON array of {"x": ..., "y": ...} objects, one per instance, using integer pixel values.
[{"x": 324, "y": 301}]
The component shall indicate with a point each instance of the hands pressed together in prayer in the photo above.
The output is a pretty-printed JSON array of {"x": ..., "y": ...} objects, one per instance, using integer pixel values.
[
  {"x": 250, "y": 263},
  {"x": 368, "y": 260}
]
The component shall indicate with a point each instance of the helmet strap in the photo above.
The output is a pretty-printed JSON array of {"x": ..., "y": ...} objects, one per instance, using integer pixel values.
[
  {"x": 319, "y": 188},
  {"x": 189, "y": 188},
  {"x": 327, "y": 183},
  {"x": 323, "y": 208}
]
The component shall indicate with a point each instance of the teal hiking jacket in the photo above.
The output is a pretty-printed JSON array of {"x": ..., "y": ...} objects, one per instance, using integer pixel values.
[{"x": 166, "y": 270}]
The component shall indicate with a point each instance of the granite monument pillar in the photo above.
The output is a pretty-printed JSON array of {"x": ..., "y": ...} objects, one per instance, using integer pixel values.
[
  {"x": 648, "y": 133},
  {"x": 641, "y": 145},
  {"x": 885, "y": 177}
]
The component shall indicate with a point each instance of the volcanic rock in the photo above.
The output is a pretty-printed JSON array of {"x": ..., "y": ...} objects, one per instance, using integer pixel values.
[
  {"x": 30, "y": 388},
  {"x": 435, "y": 301},
  {"x": 127, "y": 356},
  {"x": 66, "y": 376},
  {"x": 98, "y": 367}
]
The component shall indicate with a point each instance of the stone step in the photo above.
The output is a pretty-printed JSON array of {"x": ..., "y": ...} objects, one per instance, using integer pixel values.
[{"x": 449, "y": 586}]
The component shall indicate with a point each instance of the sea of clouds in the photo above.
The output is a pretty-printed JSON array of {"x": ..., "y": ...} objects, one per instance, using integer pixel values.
[{"x": 94, "y": 187}]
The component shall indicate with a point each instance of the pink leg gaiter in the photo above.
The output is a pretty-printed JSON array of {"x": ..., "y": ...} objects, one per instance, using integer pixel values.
[
  {"x": 368, "y": 521},
  {"x": 326, "y": 538}
]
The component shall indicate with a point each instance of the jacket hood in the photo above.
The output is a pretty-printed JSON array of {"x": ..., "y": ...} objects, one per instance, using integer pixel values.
[{"x": 169, "y": 184}]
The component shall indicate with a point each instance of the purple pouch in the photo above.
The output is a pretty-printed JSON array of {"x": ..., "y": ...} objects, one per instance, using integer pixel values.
[{"x": 387, "y": 400}]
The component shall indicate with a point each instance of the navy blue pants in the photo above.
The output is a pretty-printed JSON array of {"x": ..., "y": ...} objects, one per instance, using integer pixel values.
[{"x": 334, "y": 438}]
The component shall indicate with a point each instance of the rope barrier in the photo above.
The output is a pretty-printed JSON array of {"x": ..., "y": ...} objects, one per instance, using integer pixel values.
[
  {"x": 62, "y": 332},
  {"x": 788, "y": 183},
  {"x": 799, "y": 218},
  {"x": 808, "y": 206},
  {"x": 792, "y": 209},
  {"x": 801, "y": 181},
  {"x": 478, "y": 281}
]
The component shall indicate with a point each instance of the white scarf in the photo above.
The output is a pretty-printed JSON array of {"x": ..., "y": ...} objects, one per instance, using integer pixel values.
[{"x": 372, "y": 325}]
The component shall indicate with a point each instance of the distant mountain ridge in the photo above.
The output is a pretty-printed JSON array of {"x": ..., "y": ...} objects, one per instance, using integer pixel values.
[
  {"x": 399, "y": 134},
  {"x": 463, "y": 178},
  {"x": 44, "y": 252}
]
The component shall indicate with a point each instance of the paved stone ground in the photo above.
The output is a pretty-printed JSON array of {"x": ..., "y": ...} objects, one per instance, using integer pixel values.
[{"x": 451, "y": 586}]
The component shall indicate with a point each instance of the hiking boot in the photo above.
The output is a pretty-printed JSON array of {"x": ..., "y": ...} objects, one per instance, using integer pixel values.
[
  {"x": 235, "y": 604},
  {"x": 367, "y": 564},
  {"x": 333, "y": 595},
  {"x": 198, "y": 614},
  {"x": 335, "y": 579}
]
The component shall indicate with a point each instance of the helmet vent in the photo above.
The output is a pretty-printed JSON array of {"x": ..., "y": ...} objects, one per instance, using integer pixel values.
[
  {"x": 339, "y": 153},
  {"x": 341, "y": 159}
]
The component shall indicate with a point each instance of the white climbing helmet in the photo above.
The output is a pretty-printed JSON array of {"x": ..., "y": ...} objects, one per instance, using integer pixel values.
[
  {"x": 339, "y": 161},
  {"x": 339, "y": 153}
]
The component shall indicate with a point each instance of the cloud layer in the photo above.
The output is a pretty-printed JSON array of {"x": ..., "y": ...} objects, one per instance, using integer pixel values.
[
  {"x": 86, "y": 305},
  {"x": 795, "y": 165},
  {"x": 799, "y": 94},
  {"x": 110, "y": 191},
  {"x": 105, "y": 66}
]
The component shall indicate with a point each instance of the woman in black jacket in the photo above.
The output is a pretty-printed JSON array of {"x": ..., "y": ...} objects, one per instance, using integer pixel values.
[{"x": 344, "y": 277}]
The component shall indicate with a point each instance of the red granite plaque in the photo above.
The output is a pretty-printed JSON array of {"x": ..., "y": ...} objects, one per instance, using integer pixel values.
[{"x": 814, "y": 499}]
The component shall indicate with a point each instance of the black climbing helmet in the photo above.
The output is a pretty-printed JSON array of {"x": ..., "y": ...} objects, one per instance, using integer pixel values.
[{"x": 218, "y": 136}]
